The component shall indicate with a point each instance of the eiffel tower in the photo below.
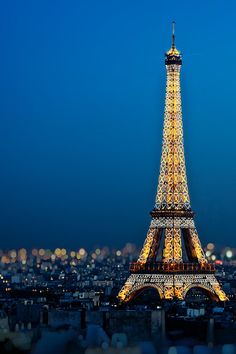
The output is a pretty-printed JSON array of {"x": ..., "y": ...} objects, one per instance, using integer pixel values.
[{"x": 172, "y": 259}]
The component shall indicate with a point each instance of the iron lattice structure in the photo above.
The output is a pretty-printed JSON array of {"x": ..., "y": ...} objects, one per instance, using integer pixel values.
[{"x": 172, "y": 259}]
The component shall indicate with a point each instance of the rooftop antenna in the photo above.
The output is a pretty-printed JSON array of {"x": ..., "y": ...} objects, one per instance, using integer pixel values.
[{"x": 173, "y": 34}]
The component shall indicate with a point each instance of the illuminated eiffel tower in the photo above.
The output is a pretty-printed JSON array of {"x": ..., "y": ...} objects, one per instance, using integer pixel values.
[{"x": 172, "y": 259}]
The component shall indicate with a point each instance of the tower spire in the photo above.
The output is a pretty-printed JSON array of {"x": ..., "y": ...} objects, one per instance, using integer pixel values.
[
  {"x": 173, "y": 34},
  {"x": 173, "y": 56}
]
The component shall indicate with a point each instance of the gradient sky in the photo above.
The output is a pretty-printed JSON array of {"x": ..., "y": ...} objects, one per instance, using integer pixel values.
[{"x": 81, "y": 113}]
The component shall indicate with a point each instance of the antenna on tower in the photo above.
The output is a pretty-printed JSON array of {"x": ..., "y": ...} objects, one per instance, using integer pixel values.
[{"x": 173, "y": 34}]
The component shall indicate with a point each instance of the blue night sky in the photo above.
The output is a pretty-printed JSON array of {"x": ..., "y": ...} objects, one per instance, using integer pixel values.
[{"x": 81, "y": 113}]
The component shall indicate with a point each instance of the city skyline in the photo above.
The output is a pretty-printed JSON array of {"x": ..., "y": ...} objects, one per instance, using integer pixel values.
[{"x": 81, "y": 121}]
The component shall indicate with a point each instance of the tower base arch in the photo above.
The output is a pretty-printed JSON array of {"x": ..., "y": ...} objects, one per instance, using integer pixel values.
[{"x": 171, "y": 286}]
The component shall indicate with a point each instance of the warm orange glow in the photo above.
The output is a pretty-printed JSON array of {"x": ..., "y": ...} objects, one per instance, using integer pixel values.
[{"x": 161, "y": 264}]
